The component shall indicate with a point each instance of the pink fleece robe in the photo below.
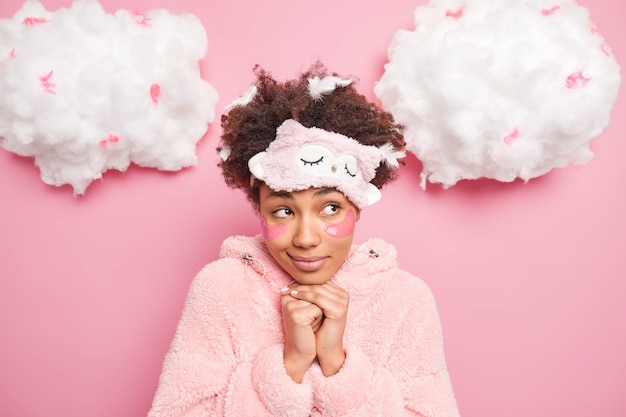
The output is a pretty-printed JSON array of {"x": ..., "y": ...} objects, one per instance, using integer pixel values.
[{"x": 226, "y": 358}]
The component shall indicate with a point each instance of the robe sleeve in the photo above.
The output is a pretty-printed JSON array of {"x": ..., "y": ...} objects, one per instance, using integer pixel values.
[
  {"x": 417, "y": 361},
  {"x": 411, "y": 381},
  {"x": 205, "y": 372},
  {"x": 201, "y": 358},
  {"x": 278, "y": 392}
]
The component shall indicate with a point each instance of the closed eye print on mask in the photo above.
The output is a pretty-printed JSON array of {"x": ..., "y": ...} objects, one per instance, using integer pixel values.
[
  {"x": 318, "y": 160},
  {"x": 312, "y": 163}
]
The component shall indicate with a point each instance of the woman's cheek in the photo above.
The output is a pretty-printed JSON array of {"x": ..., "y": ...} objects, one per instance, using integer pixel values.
[
  {"x": 272, "y": 231},
  {"x": 344, "y": 228}
]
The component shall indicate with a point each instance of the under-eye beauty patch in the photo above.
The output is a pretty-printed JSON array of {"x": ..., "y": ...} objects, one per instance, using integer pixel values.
[
  {"x": 343, "y": 228},
  {"x": 272, "y": 231}
]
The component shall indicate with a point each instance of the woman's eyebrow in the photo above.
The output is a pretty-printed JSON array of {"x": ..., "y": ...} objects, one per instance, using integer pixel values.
[
  {"x": 325, "y": 191},
  {"x": 279, "y": 194}
]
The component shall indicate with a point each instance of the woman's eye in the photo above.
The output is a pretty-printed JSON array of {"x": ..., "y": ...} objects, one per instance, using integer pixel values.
[
  {"x": 283, "y": 212},
  {"x": 331, "y": 209}
]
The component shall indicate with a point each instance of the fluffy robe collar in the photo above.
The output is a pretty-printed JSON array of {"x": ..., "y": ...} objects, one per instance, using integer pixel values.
[{"x": 356, "y": 275}]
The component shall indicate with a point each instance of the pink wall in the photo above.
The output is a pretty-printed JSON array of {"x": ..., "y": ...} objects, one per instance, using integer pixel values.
[{"x": 529, "y": 278}]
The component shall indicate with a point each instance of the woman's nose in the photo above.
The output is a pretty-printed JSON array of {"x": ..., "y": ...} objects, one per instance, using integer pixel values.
[{"x": 307, "y": 233}]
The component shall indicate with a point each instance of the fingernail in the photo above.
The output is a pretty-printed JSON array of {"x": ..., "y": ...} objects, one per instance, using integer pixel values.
[
  {"x": 284, "y": 289},
  {"x": 294, "y": 292}
]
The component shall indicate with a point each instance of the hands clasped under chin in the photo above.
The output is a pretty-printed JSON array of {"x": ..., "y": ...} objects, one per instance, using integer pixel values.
[{"x": 314, "y": 319}]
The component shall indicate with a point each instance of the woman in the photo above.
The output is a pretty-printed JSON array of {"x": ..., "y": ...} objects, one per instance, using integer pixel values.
[{"x": 298, "y": 321}]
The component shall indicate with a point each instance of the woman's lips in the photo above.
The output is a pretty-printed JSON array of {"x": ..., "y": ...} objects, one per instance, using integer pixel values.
[{"x": 310, "y": 264}]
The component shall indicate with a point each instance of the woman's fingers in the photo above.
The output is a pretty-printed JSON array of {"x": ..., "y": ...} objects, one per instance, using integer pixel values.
[{"x": 332, "y": 299}]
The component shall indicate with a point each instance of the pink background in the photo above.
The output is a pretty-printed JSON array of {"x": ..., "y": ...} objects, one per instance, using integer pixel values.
[{"x": 529, "y": 278}]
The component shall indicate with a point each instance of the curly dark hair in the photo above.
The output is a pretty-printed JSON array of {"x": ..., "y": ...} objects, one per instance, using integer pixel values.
[{"x": 249, "y": 129}]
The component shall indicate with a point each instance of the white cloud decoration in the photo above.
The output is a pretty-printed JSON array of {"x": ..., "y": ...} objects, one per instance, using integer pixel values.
[
  {"x": 499, "y": 89},
  {"x": 83, "y": 91}
]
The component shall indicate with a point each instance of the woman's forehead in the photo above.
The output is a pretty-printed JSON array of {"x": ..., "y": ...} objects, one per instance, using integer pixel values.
[{"x": 315, "y": 192}]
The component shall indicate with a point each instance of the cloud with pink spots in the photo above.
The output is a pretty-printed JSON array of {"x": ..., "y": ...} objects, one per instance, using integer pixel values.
[
  {"x": 84, "y": 91},
  {"x": 499, "y": 89}
]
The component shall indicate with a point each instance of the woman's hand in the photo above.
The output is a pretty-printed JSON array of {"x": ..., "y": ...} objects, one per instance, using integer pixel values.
[
  {"x": 300, "y": 320},
  {"x": 333, "y": 302}
]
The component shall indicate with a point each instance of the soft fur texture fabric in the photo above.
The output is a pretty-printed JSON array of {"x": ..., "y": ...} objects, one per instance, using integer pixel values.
[
  {"x": 226, "y": 358},
  {"x": 339, "y": 162}
]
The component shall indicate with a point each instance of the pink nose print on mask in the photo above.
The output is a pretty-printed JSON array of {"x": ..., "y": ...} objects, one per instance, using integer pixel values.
[
  {"x": 272, "y": 231},
  {"x": 343, "y": 228}
]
